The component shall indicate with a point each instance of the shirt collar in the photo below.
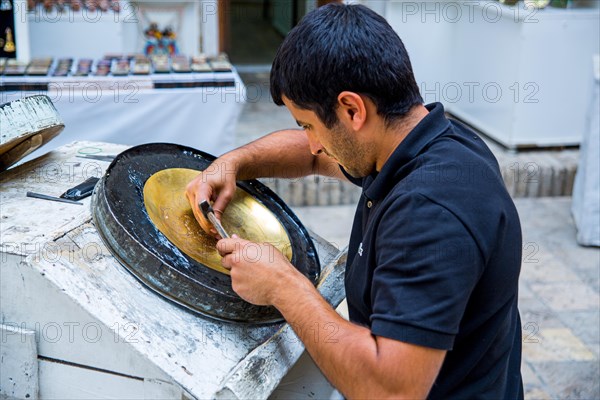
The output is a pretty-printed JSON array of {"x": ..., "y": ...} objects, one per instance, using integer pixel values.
[{"x": 377, "y": 185}]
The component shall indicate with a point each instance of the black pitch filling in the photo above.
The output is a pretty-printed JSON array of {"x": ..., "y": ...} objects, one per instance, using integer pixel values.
[{"x": 123, "y": 222}]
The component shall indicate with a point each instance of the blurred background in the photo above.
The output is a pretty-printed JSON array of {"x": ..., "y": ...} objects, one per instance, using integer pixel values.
[{"x": 524, "y": 75}]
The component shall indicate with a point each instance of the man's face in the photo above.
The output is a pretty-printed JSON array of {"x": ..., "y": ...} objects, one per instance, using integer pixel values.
[{"x": 339, "y": 143}]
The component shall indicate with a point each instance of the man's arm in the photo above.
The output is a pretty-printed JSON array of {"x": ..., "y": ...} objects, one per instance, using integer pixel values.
[
  {"x": 282, "y": 154},
  {"x": 359, "y": 364}
]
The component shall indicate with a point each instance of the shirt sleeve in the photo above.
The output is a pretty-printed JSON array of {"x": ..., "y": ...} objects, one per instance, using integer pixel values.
[{"x": 427, "y": 265}]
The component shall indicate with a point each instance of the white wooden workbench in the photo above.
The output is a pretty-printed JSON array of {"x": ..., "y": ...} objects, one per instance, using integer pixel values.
[{"x": 76, "y": 324}]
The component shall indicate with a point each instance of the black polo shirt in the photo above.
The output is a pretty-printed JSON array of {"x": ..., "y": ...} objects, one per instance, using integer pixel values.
[{"x": 435, "y": 255}]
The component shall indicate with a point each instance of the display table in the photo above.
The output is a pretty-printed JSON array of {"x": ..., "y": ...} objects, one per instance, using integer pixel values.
[
  {"x": 129, "y": 111},
  {"x": 80, "y": 326}
]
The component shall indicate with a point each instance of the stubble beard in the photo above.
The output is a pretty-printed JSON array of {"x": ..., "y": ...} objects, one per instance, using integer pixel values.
[{"x": 349, "y": 153}]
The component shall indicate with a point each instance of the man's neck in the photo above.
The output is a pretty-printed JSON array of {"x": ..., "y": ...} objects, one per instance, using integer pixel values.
[{"x": 396, "y": 132}]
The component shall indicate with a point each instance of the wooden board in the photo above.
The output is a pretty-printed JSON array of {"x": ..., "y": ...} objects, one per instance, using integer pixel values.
[
  {"x": 18, "y": 363},
  {"x": 27, "y": 124}
]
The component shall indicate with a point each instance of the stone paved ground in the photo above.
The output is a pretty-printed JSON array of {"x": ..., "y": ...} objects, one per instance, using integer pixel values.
[
  {"x": 559, "y": 292},
  {"x": 559, "y": 304}
]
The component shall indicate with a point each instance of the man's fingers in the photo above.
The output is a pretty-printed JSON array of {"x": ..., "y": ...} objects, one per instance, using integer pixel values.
[
  {"x": 222, "y": 202},
  {"x": 194, "y": 190},
  {"x": 224, "y": 248},
  {"x": 228, "y": 246},
  {"x": 198, "y": 190},
  {"x": 225, "y": 262},
  {"x": 202, "y": 189},
  {"x": 191, "y": 197}
]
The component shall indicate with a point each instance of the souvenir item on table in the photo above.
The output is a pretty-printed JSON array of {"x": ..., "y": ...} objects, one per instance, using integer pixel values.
[
  {"x": 113, "y": 56},
  {"x": 63, "y": 67},
  {"x": 220, "y": 63},
  {"x": 160, "y": 42},
  {"x": 84, "y": 67},
  {"x": 161, "y": 64},
  {"x": 8, "y": 18},
  {"x": 39, "y": 66},
  {"x": 120, "y": 67},
  {"x": 103, "y": 68},
  {"x": 169, "y": 42},
  {"x": 60, "y": 5},
  {"x": 153, "y": 36},
  {"x": 180, "y": 64},
  {"x": 60, "y": 73},
  {"x": 200, "y": 64},
  {"x": 537, "y": 3},
  {"x": 14, "y": 68},
  {"x": 9, "y": 42},
  {"x": 65, "y": 61},
  {"x": 75, "y": 5},
  {"x": 141, "y": 65},
  {"x": 136, "y": 56},
  {"x": 103, "y": 5},
  {"x": 6, "y": 5}
]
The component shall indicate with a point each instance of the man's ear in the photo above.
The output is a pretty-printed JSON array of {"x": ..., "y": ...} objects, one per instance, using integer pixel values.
[{"x": 352, "y": 109}]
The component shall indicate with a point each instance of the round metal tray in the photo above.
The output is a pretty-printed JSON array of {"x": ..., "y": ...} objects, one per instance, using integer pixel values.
[{"x": 122, "y": 220}]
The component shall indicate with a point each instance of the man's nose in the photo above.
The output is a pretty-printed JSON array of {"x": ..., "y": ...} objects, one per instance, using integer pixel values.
[{"x": 315, "y": 146}]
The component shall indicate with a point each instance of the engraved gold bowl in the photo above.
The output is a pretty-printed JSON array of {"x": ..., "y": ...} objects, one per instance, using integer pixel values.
[{"x": 171, "y": 213}]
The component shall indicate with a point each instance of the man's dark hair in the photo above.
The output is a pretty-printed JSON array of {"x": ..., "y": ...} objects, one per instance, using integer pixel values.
[{"x": 344, "y": 47}]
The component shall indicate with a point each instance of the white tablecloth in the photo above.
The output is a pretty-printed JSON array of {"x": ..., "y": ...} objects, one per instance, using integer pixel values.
[{"x": 203, "y": 118}]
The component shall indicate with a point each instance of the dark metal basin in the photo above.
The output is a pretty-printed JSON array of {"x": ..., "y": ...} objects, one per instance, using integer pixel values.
[{"x": 122, "y": 220}]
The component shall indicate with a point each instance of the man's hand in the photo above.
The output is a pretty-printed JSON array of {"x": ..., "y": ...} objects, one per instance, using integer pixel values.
[
  {"x": 258, "y": 271},
  {"x": 215, "y": 184},
  {"x": 283, "y": 154}
]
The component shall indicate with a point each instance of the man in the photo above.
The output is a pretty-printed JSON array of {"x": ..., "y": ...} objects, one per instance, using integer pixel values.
[{"x": 435, "y": 249}]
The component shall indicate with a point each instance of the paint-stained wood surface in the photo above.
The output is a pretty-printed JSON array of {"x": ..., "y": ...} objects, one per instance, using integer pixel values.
[
  {"x": 25, "y": 125},
  {"x": 18, "y": 363},
  {"x": 110, "y": 323}
]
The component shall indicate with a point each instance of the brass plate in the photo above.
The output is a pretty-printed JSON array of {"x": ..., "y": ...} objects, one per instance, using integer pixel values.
[{"x": 171, "y": 213}]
